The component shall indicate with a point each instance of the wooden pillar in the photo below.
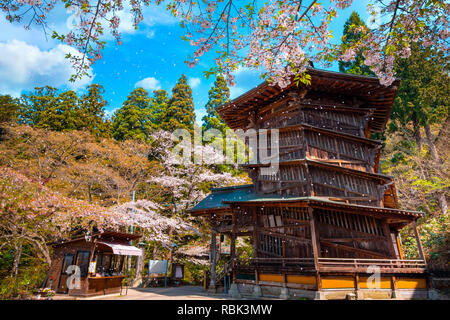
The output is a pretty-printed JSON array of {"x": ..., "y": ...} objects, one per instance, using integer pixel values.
[
  {"x": 205, "y": 280},
  {"x": 233, "y": 249},
  {"x": 393, "y": 283},
  {"x": 395, "y": 294},
  {"x": 212, "y": 283},
  {"x": 314, "y": 238},
  {"x": 318, "y": 281},
  {"x": 390, "y": 243},
  {"x": 255, "y": 232},
  {"x": 399, "y": 245},
  {"x": 233, "y": 238},
  {"x": 419, "y": 243},
  {"x": 233, "y": 244},
  {"x": 256, "y": 276},
  {"x": 357, "y": 282}
]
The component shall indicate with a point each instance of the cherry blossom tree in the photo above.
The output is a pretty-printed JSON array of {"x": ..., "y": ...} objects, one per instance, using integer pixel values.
[
  {"x": 186, "y": 183},
  {"x": 144, "y": 215},
  {"x": 32, "y": 213},
  {"x": 278, "y": 37}
]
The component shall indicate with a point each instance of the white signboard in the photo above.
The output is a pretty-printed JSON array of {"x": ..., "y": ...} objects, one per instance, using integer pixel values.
[{"x": 157, "y": 266}]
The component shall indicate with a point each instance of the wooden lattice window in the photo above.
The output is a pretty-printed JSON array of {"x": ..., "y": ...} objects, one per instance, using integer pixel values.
[
  {"x": 359, "y": 223},
  {"x": 271, "y": 245}
]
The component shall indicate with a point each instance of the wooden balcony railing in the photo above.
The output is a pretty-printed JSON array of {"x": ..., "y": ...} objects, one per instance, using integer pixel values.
[
  {"x": 370, "y": 265},
  {"x": 332, "y": 265}
]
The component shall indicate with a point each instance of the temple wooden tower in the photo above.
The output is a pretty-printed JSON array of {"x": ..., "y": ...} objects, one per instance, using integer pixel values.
[{"x": 326, "y": 225}]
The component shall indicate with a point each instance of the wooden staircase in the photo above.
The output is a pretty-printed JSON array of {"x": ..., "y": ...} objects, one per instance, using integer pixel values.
[{"x": 223, "y": 278}]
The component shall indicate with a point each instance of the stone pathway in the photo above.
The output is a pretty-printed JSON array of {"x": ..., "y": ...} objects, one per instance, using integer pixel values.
[{"x": 170, "y": 293}]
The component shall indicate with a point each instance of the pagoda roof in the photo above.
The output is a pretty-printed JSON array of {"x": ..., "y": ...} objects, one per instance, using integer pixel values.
[
  {"x": 306, "y": 160},
  {"x": 221, "y": 200},
  {"x": 378, "y": 98}
]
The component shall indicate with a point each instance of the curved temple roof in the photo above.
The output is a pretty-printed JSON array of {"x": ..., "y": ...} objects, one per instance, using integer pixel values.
[
  {"x": 219, "y": 200},
  {"x": 376, "y": 96}
]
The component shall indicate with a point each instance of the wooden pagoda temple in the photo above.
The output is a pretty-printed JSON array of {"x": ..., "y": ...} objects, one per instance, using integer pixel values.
[{"x": 327, "y": 223}]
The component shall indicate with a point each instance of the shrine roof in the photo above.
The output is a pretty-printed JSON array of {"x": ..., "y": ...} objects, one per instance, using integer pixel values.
[
  {"x": 325, "y": 203},
  {"x": 221, "y": 199},
  {"x": 215, "y": 200},
  {"x": 377, "y": 96}
]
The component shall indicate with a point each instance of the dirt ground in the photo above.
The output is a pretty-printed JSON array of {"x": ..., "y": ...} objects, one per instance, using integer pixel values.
[{"x": 170, "y": 293}]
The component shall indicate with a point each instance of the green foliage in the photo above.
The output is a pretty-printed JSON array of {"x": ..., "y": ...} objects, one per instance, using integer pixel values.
[
  {"x": 158, "y": 106},
  {"x": 9, "y": 108},
  {"x": 132, "y": 121},
  {"x": 435, "y": 237},
  {"x": 92, "y": 110},
  {"x": 193, "y": 273},
  {"x": 50, "y": 109},
  {"x": 180, "y": 111},
  {"x": 36, "y": 104},
  {"x": 31, "y": 274},
  {"x": 351, "y": 36},
  {"x": 423, "y": 95},
  {"x": 219, "y": 94}
]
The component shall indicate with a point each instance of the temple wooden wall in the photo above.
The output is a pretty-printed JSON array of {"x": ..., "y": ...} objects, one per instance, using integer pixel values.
[
  {"x": 303, "y": 141},
  {"x": 330, "y": 115},
  {"x": 311, "y": 179},
  {"x": 341, "y": 233},
  {"x": 285, "y": 232}
]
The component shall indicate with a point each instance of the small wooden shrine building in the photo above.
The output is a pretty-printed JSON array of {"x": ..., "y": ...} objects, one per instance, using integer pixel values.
[
  {"x": 328, "y": 221},
  {"x": 99, "y": 261}
]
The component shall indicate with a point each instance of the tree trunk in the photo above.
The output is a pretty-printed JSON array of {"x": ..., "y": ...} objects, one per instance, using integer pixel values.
[
  {"x": 434, "y": 154},
  {"x": 17, "y": 257},
  {"x": 170, "y": 255},
  {"x": 443, "y": 203},
  {"x": 430, "y": 143},
  {"x": 417, "y": 137}
]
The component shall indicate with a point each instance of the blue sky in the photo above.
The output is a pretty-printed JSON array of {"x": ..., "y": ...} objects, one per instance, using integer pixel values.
[{"x": 152, "y": 56}]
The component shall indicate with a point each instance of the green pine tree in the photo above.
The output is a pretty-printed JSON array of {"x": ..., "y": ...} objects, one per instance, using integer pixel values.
[
  {"x": 132, "y": 121},
  {"x": 422, "y": 97},
  {"x": 158, "y": 106},
  {"x": 9, "y": 108},
  {"x": 93, "y": 111},
  {"x": 180, "y": 111},
  {"x": 219, "y": 94},
  {"x": 49, "y": 110},
  {"x": 422, "y": 101},
  {"x": 350, "y": 36},
  {"x": 35, "y": 103}
]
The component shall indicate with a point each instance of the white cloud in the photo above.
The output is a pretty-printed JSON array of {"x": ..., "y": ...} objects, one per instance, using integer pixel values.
[
  {"x": 194, "y": 82},
  {"x": 148, "y": 84},
  {"x": 24, "y": 66},
  {"x": 158, "y": 15},
  {"x": 153, "y": 14}
]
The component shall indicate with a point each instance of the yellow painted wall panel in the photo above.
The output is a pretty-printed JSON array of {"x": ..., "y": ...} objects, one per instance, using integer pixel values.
[
  {"x": 385, "y": 283},
  {"x": 271, "y": 277},
  {"x": 411, "y": 283},
  {"x": 301, "y": 279},
  {"x": 337, "y": 282}
]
